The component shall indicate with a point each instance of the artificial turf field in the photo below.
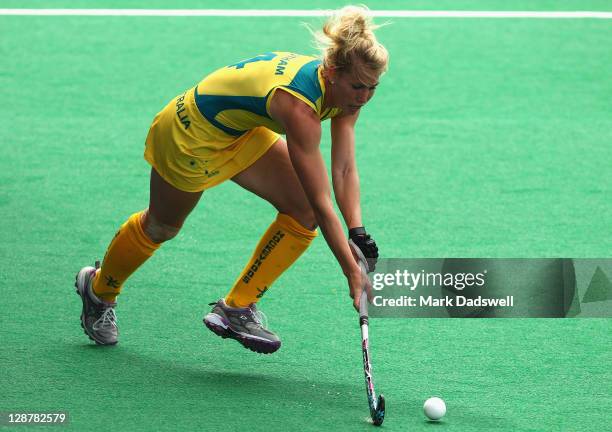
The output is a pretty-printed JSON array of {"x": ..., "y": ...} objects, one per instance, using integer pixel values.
[{"x": 486, "y": 138}]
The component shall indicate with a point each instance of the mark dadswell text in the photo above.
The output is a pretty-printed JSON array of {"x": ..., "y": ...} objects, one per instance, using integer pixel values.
[{"x": 454, "y": 301}]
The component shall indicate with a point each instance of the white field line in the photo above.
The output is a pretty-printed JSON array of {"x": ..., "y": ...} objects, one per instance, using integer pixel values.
[{"x": 303, "y": 13}]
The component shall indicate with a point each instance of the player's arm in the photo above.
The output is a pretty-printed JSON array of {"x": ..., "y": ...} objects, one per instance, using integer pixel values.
[
  {"x": 345, "y": 177},
  {"x": 303, "y": 131},
  {"x": 346, "y": 184}
]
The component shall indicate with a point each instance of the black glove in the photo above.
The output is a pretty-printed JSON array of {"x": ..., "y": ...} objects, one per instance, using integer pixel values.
[{"x": 366, "y": 244}]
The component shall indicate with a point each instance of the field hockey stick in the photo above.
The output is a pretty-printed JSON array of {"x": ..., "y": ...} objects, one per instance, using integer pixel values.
[{"x": 377, "y": 406}]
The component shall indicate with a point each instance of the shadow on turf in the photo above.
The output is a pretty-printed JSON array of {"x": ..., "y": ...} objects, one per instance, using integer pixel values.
[
  {"x": 434, "y": 422},
  {"x": 293, "y": 390}
]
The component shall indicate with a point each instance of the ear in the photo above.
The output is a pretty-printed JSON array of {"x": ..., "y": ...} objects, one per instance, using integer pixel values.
[{"x": 329, "y": 74}]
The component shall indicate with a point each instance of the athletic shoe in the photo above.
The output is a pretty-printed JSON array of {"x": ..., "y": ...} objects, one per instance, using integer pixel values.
[
  {"x": 98, "y": 318},
  {"x": 242, "y": 324}
]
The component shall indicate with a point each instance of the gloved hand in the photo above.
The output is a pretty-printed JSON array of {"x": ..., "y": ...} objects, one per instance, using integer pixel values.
[{"x": 366, "y": 245}]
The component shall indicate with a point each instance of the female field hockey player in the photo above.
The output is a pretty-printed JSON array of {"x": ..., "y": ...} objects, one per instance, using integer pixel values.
[{"x": 227, "y": 127}]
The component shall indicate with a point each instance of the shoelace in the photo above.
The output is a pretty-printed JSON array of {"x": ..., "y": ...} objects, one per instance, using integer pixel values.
[
  {"x": 108, "y": 320},
  {"x": 259, "y": 317}
]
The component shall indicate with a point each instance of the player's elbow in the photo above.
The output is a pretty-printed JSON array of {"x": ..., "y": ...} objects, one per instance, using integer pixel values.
[
  {"x": 343, "y": 171},
  {"x": 322, "y": 208},
  {"x": 345, "y": 176}
]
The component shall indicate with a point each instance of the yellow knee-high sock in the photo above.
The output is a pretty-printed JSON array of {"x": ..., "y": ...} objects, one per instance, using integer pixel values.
[
  {"x": 127, "y": 251},
  {"x": 282, "y": 244}
]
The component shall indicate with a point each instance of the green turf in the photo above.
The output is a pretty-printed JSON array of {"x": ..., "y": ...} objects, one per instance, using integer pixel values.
[{"x": 486, "y": 138}]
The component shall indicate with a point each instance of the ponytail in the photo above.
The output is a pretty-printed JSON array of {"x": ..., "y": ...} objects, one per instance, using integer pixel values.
[{"x": 347, "y": 43}]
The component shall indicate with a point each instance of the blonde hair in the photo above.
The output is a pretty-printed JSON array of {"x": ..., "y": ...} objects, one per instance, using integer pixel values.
[{"x": 347, "y": 43}]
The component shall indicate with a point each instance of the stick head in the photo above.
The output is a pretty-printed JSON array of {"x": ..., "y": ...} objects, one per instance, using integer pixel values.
[{"x": 378, "y": 414}]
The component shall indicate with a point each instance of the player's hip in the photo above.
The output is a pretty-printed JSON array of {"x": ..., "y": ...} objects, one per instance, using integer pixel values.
[{"x": 192, "y": 154}]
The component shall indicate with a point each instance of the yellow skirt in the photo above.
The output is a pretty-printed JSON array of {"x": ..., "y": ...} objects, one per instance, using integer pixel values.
[{"x": 193, "y": 155}]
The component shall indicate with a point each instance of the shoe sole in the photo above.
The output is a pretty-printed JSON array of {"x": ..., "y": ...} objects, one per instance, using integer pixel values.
[
  {"x": 89, "y": 335},
  {"x": 254, "y": 345}
]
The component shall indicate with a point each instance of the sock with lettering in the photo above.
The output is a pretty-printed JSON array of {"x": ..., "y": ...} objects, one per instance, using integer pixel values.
[{"x": 281, "y": 245}]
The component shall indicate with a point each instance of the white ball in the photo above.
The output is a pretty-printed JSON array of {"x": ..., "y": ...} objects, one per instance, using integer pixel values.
[{"x": 434, "y": 408}]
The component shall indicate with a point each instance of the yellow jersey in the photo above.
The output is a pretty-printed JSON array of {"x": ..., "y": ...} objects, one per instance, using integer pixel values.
[{"x": 236, "y": 98}]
